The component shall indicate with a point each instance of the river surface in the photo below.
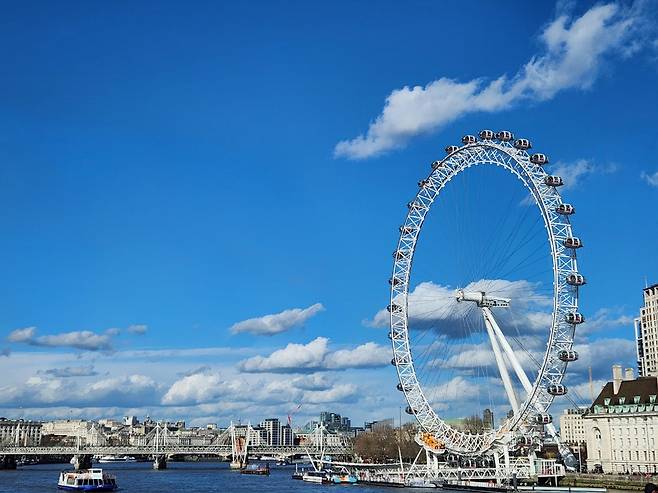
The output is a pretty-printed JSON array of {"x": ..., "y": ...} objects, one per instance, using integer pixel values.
[
  {"x": 188, "y": 477},
  {"x": 183, "y": 477}
]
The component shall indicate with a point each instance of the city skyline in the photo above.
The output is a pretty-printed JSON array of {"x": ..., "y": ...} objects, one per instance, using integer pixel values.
[{"x": 215, "y": 244}]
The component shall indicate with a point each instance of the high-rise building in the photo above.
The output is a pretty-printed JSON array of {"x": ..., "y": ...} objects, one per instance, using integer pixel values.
[
  {"x": 286, "y": 435},
  {"x": 572, "y": 427},
  {"x": 273, "y": 429},
  {"x": 488, "y": 419},
  {"x": 646, "y": 334}
]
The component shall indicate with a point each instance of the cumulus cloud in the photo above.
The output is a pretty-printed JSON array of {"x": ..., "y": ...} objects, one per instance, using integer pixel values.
[
  {"x": 194, "y": 389},
  {"x": 44, "y": 391},
  {"x": 651, "y": 179},
  {"x": 573, "y": 52},
  {"x": 138, "y": 329},
  {"x": 315, "y": 381},
  {"x": 278, "y": 322},
  {"x": 83, "y": 339},
  {"x": 71, "y": 371},
  {"x": 316, "y": 356},
  {"x": 433, "y": 306}
]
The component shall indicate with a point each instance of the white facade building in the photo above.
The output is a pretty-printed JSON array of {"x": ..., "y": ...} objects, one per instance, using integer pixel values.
[
  {"x": 19, "y": 432},
  {"x": 622, "y": 425},
  {"x": 646, "y": 334},
  {"x": 572, "y": 426}
]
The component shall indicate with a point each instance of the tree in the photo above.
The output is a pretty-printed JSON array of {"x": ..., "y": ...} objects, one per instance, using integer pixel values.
[{"x": 381, "y": 445}]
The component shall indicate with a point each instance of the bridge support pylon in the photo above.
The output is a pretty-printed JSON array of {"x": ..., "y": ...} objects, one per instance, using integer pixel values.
[
  {"x": 7, "y": 462},
  {"x": 160, "y": 462},
  {"x": 82, "y": 461}
]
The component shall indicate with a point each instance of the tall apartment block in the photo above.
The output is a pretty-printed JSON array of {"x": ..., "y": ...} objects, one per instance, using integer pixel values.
[{"x": 646, "y": 334}]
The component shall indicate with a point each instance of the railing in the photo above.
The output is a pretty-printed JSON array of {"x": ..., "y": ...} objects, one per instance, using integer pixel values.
[{"x": 170, "y": 449}]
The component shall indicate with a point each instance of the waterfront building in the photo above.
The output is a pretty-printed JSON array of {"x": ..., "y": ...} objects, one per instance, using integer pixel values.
[
  {"x": 488, "y": 419},
  {"x": 20, "y": 432},
  {"x": 272, "y": 427},
  {"x": 378, "y": 425},
  {"x": 287, "y": 437},
  {"x": 646, "y": 334},
  {"x": 621, "y": 427},
  {"x": 572, "y": 426}
]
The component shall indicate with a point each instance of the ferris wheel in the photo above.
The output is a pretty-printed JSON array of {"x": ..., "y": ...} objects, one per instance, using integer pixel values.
[{"x": 498, "y": 336}]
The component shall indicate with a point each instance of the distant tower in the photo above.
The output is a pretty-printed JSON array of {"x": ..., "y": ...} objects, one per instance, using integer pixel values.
[
  {"x": 488, "y": 419},
  {"x": 646, "y": 334}
]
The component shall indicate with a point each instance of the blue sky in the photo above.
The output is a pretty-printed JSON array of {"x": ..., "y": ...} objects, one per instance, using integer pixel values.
[{"x": 171, "y": 172}]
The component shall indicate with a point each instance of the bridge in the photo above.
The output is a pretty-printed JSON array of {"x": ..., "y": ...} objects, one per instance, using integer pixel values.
[{"x": 236, "y": 443}]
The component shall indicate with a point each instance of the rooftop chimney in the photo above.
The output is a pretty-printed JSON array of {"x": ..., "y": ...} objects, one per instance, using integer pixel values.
[
  {"x": 616, "y": 378},
  {"x": 628, "y": 374}
]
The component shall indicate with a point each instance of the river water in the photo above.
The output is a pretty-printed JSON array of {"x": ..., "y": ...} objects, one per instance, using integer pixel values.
[{"x": 192, "y": 477}]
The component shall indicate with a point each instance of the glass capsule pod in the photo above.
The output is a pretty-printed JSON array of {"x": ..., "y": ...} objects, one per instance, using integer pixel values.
[
  {"x": 540, "y": 159},
  {"x": 402, "y": 389},
  {"x": 393, "y": 308},
  {"x": 553, "y": 181},
  {"x": 568, "y": 355},
  {"x": 565, "y": 209},
  {"x": 394, "y": 281},
  {"x": 556, "y": 389},
  {"x": 451, "y": 149},
  {"x": 409, "y": 410},
  {"x": 572, "y": 242},
  {"x": 574, "y": 318},
  {"x": 423, "y": 183},
  {"x": 575, "y": 279},
  {"x": 469, "y": 139},
  {"x": 543, "y": 418},
  {"x": 504, "y": 135},
  {"x": 486, "y": 134},
  {"x": 522, "y": 144}
]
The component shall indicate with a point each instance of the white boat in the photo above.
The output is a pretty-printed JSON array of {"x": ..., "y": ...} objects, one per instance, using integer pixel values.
[
  {"x": 86, "y": 480},
  {"x": 108, "y": 459},
  {"x": 316, "y": 477}
]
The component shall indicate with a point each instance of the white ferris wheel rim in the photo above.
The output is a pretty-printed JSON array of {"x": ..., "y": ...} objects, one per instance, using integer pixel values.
[{"x": 565, "y": 295}]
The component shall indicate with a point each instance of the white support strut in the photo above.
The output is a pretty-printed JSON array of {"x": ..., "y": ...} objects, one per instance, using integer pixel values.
[{"x": 502, "y": 367}]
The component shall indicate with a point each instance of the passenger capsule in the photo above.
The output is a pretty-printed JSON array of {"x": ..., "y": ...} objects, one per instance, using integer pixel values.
[
  {"x": 408, "y": 410},
  {"x": 523, "y": 441},
  {"x": 403, "y": 389},
  {"x": 423, "y": 183},
  {"x": 393, "y": 308},
  {"x": 523, "y": 144},
  {"x": 469, "y": 139},
  {"x": 553, "y": 181},
  {"x": 540, "y": 159},
  {"x": 401, "y": 254},
  {"x": 556, "y": 389},
  {"x": 575, "y": 279},
  {"x": 543, "y": 418},
  {"x": 504, "y": 135},
  {"x": 565, "y": 209},
  {"x": 568, "y": 355},
  {"x": 572, "y": 242},
  {"x": 394, "y": 281},
  {"x": 393, "y": 362},
  {"x": 451, "y": 149},
  {"x": 486, "y": 135},
  {"x": 574, "y": 318}
]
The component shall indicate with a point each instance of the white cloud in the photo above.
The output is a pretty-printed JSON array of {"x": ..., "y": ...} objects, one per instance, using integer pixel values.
[
  {"x": 71, "y": 371},
  {"x": 278, "y": 322},
  {"x": 194, "y": 389},
  {"x": 41, "y": 391},
  {"x": 83, "y": 339},
  {"x": 340, "y": 393},
  {"x": 138, "y": 329},
  {"x": 316, "y": 356},
  {"x": 651, "y": 179},
  {"x": 574, "y": 49},
  {"x": 433, "y": 306}
]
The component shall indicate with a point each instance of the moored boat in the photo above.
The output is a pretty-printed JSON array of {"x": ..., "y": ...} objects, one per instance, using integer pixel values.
[
  {"x": 316, "y": 477},
  {"x": 108, "y": 459},
  {"x": 86, "y": 480},
  {"x": 258, "y": 469},
  {"x": 342, "y": 477}
]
